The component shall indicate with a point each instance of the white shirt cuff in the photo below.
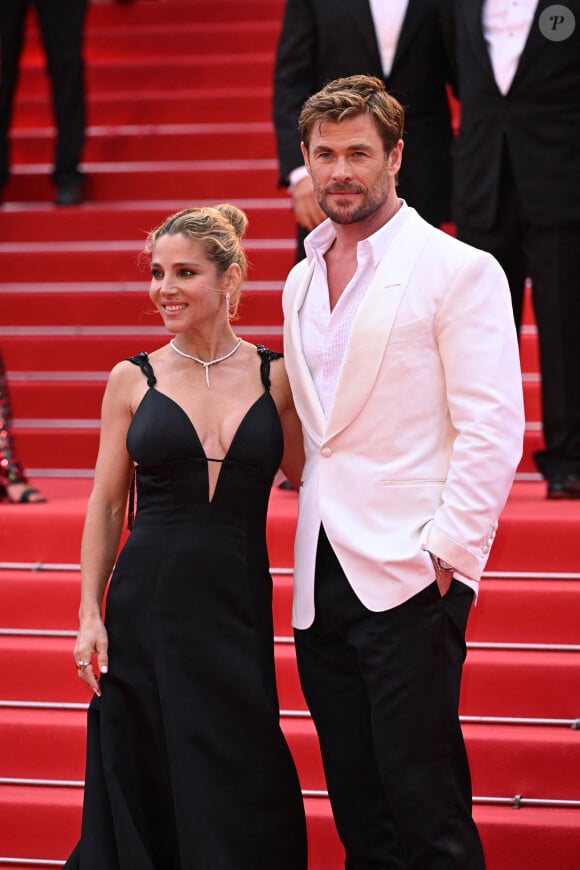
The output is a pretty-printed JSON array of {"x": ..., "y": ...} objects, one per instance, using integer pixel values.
[{"x": 295, "y": 176}]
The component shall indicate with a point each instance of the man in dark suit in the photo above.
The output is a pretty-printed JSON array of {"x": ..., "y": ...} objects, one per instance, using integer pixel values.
[
  {"x": 321, "y": 40},
  {"x": 517, "y": 187},
  {"x": 61, "y": 25}
]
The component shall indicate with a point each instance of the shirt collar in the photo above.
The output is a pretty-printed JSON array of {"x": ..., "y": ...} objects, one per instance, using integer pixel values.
[{"x": 322, "y": 237}]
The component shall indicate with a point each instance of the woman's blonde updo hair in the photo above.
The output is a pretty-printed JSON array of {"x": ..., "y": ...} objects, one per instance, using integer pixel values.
[{"x": 219, "y": 229}]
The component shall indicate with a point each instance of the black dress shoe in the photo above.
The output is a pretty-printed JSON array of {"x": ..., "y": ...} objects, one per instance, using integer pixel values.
[
  {"x": 69, "y": 192},
  {"x": 564, "y": 486}
]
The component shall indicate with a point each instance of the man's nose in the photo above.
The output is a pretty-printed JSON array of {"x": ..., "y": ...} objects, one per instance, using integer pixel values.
[{"x": 341, "y": 169}]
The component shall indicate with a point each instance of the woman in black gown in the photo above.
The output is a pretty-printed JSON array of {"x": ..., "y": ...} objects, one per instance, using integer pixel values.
[{"x": 187, "y": 767}]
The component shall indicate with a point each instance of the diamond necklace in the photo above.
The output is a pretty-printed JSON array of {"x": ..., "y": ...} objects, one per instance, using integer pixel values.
[{"x": 210, "y": 362}]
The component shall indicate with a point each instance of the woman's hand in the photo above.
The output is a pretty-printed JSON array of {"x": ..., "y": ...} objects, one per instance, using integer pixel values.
[{"x": 91, "y": 640}]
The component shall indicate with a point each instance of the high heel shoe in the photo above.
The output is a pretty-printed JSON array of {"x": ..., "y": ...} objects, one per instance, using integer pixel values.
[{"x": 29, "y": 495}]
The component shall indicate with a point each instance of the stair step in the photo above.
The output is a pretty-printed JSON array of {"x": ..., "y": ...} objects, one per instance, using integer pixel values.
[
  {"x": 532, "y": 531},
  {"x": 189, "y": 180},
  {"x": 64, "y": 445},
  {"x": 511, "y": 683},
  {"x": 54, "y": 399},
  {"x": 166, "y": 106},
  {"x": 46, "y": 599},
  {"x": 104, "y": 261},
  {"x": 176, "y": 38},
  {"x": 28, "y": 534},
  {"x": 521, "y": 683},
  {"x": 268, "y": 218},
  {"x": 526, "y": 611},
  {"x": 99, "y": 304},
  {"x": 208, "y": 69},
  {"x": 515, "y": 611},
  {"x": 154, "y": 142},
  {"x": 534, "y": 761},
  {"x": 57, "y": 819},
  {"x": 533, "y": 400},
  {"x": 70, "y": 349},
  {"x": 53, "y": 813},
  {"x": 38, "y": 398},
  {"x": 529, "y": 357},
  {"x": 106, "y": 15},
  {"x": 495, "y": 683},
  {"x": 534, "y": 838},
  {"x": 512, "y": 838},
  {"x": 44, "y": 744}
]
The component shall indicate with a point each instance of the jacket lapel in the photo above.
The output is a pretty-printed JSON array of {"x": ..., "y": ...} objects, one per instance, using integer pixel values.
[
  {"x": 414, "y": 16},
  {"x": 472, "y": 11},
  {"x": 533, "y": 44},
  {"x": 373, "y": 323},
  {"x": 362, "y": 20}
]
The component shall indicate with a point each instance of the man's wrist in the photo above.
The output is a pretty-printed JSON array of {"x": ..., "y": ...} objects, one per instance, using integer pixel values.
[{"x": 295, "y": 177}]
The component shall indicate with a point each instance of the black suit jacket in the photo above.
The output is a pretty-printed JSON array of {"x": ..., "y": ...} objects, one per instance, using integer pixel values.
[
  {"x": 538, "y": 121},
  {"x": 321, "y": 40}
]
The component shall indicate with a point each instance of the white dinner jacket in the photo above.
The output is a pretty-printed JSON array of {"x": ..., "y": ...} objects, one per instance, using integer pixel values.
[{"x": 426, "y": 428}]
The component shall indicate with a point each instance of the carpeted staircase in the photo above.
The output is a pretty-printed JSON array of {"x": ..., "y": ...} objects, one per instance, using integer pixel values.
[{"x": 179, "y": 113}]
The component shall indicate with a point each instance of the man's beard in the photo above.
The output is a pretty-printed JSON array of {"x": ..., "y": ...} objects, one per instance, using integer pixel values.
[{"x": 352, "y": 214}]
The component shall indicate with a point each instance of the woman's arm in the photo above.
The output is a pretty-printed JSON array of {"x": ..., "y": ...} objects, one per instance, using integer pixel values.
[
  {"x": 293, "y": 457},
  {"x": 104, "y": 522}
]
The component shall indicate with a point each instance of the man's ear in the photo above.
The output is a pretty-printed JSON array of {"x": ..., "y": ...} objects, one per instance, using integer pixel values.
[{"x": 396, "y": 157}]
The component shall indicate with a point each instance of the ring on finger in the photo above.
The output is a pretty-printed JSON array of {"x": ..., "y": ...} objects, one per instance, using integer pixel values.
[{"x": 81, "y": 665}]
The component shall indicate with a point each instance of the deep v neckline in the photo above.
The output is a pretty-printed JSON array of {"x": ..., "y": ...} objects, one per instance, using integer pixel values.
[{"x": 206, "y": 458}]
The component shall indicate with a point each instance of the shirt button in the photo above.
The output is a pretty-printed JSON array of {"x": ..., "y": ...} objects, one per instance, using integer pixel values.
[{"x": 326, "y": 452}]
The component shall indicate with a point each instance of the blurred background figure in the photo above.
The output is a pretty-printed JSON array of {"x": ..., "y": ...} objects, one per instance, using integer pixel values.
[
  {"x": 61, "y": 25},
  {"x": 517, "y": 187},
  {"x": 14, "y": 485},
  {"x": 400, "y": 41}
]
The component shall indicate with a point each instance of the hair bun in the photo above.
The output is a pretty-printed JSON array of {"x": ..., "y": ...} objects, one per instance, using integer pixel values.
[{"x": 235, "y": 216}]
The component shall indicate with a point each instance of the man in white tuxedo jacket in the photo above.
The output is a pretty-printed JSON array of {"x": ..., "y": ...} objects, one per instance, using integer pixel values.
[{"x": 402, "y": 354}]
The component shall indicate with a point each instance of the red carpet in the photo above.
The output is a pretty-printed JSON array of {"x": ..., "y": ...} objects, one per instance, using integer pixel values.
[{"x": 167, "y": 128}]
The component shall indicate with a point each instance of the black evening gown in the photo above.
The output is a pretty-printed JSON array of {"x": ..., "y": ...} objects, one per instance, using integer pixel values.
[{"x": 187, "y": 767}]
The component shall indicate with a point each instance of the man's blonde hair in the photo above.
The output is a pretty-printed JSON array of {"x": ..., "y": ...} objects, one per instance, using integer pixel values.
[{"x": 351, "y": 96}]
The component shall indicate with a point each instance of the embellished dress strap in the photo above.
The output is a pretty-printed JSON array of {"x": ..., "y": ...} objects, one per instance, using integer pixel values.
[
  {"x": 142, "y": 360},
  {"x": 267, "y": 356}
]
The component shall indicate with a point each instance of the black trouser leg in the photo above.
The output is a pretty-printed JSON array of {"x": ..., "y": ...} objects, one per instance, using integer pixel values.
[
  {"x": 12, "y": 18},
  {"x": 383, "y": 692},
  {"x": 62, "y": 25},
  {"x": 554, "y": 257}
]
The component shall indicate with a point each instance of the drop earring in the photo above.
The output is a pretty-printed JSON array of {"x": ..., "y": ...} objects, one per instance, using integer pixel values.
[{"x": 228, "y": 305}]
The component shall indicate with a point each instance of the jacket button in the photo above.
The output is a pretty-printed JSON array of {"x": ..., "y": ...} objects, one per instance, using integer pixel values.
[{"x": 326, "y": 452}]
